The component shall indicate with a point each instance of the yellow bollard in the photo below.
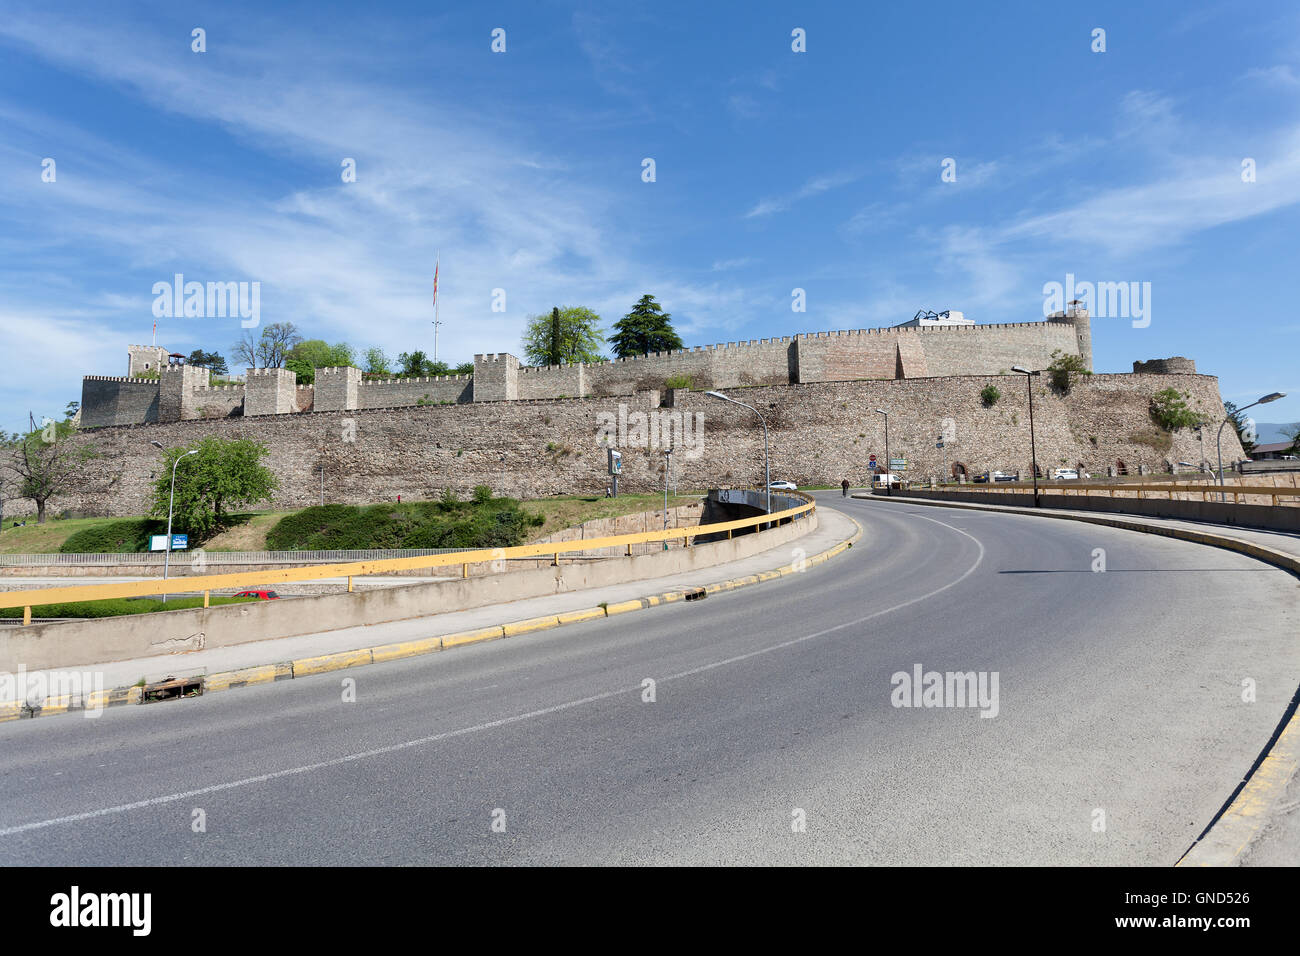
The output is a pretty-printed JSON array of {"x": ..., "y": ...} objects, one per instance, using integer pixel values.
[
  {"x": 349, "y": 583},
  {"x": 205, "y": 598},
  {"x": 27, "y": 616}
]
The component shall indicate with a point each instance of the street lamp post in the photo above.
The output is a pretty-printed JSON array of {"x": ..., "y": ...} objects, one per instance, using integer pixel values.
[
  {"x": 1218, "y": 447},
  {"x": 1033, "y": 450},
  {"x": 767, "y": 461},
  {"x": 668, "y": 467},
  {"x": 167, "y": 552},
  {"x": 889, "y": 465}
]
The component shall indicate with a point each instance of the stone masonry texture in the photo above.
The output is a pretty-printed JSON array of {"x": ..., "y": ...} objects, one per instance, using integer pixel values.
[{"x": 821, "y": 432}]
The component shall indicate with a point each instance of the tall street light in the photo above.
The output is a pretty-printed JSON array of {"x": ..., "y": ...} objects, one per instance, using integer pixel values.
[
  {"x": 170, "y": 505},
  {"x": 1272, "y": 397},
  {"x": 767, "y": 461},
  {"x": 1033, "y": 451},
  {"x": 889, "y": 487}
]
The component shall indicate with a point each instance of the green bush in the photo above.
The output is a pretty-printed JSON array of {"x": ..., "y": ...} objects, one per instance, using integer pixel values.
[
  {"x": 116, "y": 607},
  {"x": 1063, "y": 369},
  {"x": 989, "y": 395},
  {"x": 679, "y": 381},
  {"x": 128, "y": 536},
  {"x": 482, "y": 494},
  {"x": 1170, "y": 411},
  {"x": 495, "y": 523}
]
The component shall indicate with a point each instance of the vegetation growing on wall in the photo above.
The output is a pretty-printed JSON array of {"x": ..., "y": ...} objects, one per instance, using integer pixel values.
[
  {"x": 1170, "y": 410},
  {"x": 990, "y": 394},
  {"x": 1064, "y": 369}
]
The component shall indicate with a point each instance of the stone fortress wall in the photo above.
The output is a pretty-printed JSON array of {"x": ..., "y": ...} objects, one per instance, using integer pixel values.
[
  {"x": 184, "y": 393},
  {"x": 820, "y": 433}
]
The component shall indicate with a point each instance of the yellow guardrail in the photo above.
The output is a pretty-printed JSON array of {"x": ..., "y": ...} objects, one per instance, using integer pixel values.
[
  {"x": 1205, "y": 490},
  {"x": 208, "y": 583}
]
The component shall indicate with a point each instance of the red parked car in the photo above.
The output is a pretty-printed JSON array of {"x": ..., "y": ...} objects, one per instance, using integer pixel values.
[{"x": 260, "y": 595}]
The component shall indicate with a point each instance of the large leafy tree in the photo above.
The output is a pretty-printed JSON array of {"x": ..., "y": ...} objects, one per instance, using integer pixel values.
[
  {"x": 270, "y": 349},
  {"x": 567, "y": 334},
  {"x": 418, "y": 365},
  {"x": 307, "y": 356},
  {"x": 644, "y": 330},
  {"x": 224, "y": 473},
  {"x": 377, "y": 362},
  {"x": 43, "y": 463}
]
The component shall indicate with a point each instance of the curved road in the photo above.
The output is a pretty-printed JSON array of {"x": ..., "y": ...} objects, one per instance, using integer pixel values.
[{"x": 1118, "y": 693}]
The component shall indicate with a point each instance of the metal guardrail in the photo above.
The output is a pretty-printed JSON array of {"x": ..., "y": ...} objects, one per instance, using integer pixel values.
[
  {"x": 1083, "y": 489},
  {"x": 211, "y": 558},
  {"x": 253, "y": 579}
]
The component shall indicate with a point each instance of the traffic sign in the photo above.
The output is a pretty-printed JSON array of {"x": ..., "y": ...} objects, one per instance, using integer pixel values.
[{"x": 180, "y": 542}]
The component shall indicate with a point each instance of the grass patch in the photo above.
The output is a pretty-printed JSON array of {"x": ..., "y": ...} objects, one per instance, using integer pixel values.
[
  {"x": 571, "y": 510},
  {"x": 116, "y": 607}
]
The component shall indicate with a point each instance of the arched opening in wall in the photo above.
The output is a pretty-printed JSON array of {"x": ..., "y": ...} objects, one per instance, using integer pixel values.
[
  {"x": 959, "y": 469},
  {"x": 1078, "y": 466},
  {"x": 1120, "y": 467},
  {"x": 1038, "y": 471}
]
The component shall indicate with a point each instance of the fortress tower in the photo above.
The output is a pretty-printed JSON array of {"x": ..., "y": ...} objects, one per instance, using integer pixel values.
[
  {"x": 145, "y": 358},
  {"x": 1073, "y": 315}
]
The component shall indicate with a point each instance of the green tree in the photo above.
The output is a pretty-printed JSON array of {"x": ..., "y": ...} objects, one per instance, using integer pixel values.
[
  {"x": 377, "y": 362},
  {"x": 307, "y": 356},
  {"x": 1245, "y": 431},
  {"x": 44, "y": 463},
  {"x": 225, "y": 472},
  {"x": 1292, "y": 434},
  {"x": 464, "y": 368},
  {"x": 213, "y": 361},
  {"x": 418, "y": 365},
  {"x": 567, "y": 334},
  {"x": 274, "y": 346},
  {"x": 644, "y": 330}
]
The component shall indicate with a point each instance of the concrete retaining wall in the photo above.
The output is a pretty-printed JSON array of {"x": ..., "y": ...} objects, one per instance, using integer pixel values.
[
  {"x": 123, "y": 638},
  {"x": 1245, "y": 516}
]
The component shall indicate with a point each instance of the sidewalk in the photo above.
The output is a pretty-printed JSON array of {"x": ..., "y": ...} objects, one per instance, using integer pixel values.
[{"x": 834, "y": 529}]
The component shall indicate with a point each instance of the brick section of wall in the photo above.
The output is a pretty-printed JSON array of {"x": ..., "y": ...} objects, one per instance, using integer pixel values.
[
  {"x": 553, "y": 381},
  {"x": 496, "y": 378},
  {"x": 820, "y": 433},
  {"x": 391, "y": 393},
  {"x": 176, "y": 392},
  {"x": 270, "y": 391},
  {"x": 1176, "y": 365},
  {"x": 117, "y": 401},
  {"x": 337, "y": 389},
  {"x": 217, "y": 401}
]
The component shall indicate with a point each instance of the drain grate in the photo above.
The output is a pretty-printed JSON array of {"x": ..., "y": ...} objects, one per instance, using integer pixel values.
[
  {"x": 170, "y": 688},
  {"x": 695, "y": 594}
]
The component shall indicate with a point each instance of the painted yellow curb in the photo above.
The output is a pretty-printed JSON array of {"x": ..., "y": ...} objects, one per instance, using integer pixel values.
[
  {"x": 330, "y": 662},
  {"x": 11, "y": 710},
  {"x": 473, "y": 637},
  {"x": 394, "y": 652},
  {"x": 623, "y": 607},
  {"x": 588, "y": 614},
  {"x": 531, "y": 624},
  {"x": 265, "y": 674}
]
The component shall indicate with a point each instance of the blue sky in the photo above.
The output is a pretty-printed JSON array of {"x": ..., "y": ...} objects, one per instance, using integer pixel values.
[{"x": 522, "y": 170}]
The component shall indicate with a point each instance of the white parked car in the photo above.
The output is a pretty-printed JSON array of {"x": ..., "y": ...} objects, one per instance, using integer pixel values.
[
  {"x": 1066, "y": 474},
  {"x": 783, "y": 486},
  {"x": 881, "y": 479}
]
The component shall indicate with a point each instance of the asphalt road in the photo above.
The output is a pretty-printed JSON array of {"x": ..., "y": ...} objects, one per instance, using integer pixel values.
[{"x": 1119, "y": 693}]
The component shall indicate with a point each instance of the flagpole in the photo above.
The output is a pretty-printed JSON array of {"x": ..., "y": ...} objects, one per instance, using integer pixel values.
[{"x": 436, "y": 323}]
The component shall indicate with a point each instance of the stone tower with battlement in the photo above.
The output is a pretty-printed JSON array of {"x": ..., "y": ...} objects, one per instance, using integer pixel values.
[{"x": 145, "y": 358}]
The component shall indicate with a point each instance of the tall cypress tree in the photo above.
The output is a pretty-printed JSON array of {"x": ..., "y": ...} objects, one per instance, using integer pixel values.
[
  {"x": 557, "y": 352},
  {"x": 644, "y": 330}
]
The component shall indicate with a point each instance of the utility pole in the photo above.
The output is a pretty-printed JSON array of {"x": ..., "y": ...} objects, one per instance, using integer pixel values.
[{"x": 436, "y": 323}]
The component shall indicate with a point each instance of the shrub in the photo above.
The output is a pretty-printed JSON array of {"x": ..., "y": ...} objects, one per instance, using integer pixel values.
[
  {"x": 482, "y": 494},
  {"x": 495, "y": 523},
  {"x": 990, "y": 394},
  {"x": 448, "y": 501},
  {"x": 1170, "y": 411},
  {"x": 1063, "y": 369},
  {"x": 128, "y": 536},
  {"x": 678, "y": 381}
]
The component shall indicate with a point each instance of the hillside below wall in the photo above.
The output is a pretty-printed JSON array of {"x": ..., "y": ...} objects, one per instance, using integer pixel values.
[{"x": 820, "y": 433}]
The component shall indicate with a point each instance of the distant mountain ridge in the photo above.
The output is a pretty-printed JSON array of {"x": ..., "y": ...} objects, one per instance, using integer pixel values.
[{"x": 1269, "y": 432}]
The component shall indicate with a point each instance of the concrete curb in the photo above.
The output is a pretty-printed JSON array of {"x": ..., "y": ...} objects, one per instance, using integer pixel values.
[
  {"x": 310, "y": 666},
  {"x": 1227, "y": 836}
]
